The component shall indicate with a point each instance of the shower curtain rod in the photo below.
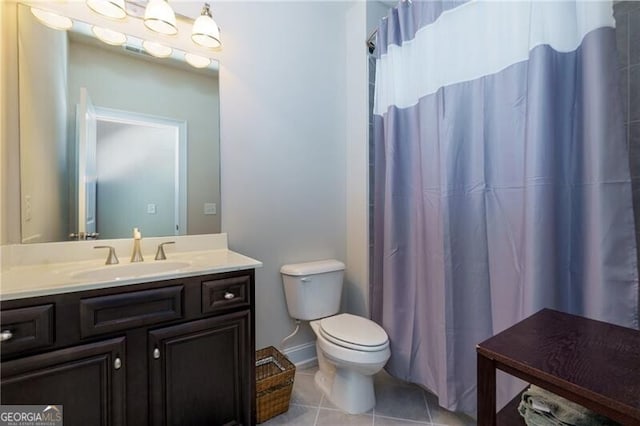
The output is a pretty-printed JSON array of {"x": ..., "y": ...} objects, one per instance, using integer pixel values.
[{"x": 371, "y": 44}]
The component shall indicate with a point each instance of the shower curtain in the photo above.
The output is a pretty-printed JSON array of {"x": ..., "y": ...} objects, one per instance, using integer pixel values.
[{"x": 501, "y": 181}]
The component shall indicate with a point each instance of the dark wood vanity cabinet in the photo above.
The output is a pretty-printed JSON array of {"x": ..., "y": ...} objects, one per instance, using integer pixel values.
[
  {"x": 179, "y": 374},
  {"x": 175, "y": 352},
  {"x": 88, "y": 380}
]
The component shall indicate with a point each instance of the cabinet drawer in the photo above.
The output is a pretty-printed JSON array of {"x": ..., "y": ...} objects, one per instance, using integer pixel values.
[
  {"x": 26, "y": 328},
  {"x": 115, "y": 312},
  {"x": 225, "y": 293}
]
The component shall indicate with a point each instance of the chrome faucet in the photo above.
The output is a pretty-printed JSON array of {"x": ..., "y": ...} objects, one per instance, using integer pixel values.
[
  {"x": 160, "y": 255},
  {"x": 136, "y": 256},
  {"x": 112, "y": 259}
]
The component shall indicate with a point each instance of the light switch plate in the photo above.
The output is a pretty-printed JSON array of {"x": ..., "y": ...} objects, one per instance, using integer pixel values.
[
  {"x": 27, "y": 208},
  {"x": 151, "y": 208},
  {"x": 209, "y": 208}
]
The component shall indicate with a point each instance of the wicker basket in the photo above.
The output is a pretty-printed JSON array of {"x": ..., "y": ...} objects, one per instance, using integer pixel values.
[{"x": 274, "y": 382}]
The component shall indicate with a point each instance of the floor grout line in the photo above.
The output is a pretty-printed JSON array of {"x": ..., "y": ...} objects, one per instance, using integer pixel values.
[
  {"x": 376, "y": 417},
  {"x": 304, "y": 405},
  {"x": 315, "y": 422},
  {"x": 418, "y": 422}
]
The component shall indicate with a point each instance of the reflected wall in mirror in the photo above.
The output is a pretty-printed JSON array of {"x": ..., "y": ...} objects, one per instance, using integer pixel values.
[{"x": 147, "y": 157}]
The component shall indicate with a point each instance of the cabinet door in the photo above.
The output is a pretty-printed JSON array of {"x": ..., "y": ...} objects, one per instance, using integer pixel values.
[
  {"x": 87, "y": 380},
  {"x": 200, "y": 372}
]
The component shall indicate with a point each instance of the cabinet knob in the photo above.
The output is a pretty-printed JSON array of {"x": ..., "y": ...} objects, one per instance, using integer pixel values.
[
  {"x": 5, "y": 335},
  {"x": 228, "y": 295},
  {"x": 156, "y": 353},
  {"x": 117, "y": 363}
]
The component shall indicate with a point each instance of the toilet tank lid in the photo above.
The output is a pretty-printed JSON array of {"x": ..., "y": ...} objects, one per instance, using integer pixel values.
[{"x": 311, "y": 268}]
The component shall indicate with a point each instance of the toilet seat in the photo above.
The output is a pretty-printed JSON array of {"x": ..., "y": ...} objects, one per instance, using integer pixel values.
[{"x": 354, "y": 332}]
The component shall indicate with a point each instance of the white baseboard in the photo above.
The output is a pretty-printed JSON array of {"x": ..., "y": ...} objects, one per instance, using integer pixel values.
[{"x": 303, "y": 355}]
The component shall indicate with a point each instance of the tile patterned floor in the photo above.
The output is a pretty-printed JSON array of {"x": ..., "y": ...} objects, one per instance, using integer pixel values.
[{"x": 397, "y": 403}]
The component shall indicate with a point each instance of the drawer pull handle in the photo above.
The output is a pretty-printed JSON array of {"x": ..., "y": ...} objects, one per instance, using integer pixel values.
[
  {"x": 228, "y": 295},
  {"x": 117, "y": 364},
  {"x": 5, "y": 335},
  {"x": 156, "y": 353}
]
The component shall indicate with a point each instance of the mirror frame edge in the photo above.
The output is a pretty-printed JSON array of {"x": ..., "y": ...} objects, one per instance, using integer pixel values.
[{"x": 10, "y": 212}]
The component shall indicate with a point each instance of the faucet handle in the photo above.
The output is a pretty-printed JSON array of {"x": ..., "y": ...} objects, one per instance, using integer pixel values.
[
  {"x": 112, "y": 259},
  {"x": 160, "y": 252}
]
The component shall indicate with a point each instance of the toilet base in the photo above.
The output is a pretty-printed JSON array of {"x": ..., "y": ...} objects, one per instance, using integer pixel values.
[{"x": 347, "y": 389}]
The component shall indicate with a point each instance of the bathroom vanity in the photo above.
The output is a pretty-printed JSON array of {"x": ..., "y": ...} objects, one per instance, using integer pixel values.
[{"x": 176, "y": 348}]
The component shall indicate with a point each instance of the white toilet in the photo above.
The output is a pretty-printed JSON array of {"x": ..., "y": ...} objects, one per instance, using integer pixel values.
[{"x": 350, "y": 349}]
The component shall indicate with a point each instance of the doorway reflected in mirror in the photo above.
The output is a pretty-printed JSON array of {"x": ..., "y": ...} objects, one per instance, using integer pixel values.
[{"x": 53, "y": 67}]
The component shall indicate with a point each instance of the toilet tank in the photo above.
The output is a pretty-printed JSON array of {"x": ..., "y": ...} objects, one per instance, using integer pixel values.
[{"x": 313, "y": 289}]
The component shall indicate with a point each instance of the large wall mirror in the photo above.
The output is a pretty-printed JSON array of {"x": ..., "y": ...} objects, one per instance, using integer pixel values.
[{"x": 112, "y": 138}]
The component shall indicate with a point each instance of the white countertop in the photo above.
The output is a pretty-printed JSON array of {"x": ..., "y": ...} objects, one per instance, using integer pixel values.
[{"x": 25, "y": 274}]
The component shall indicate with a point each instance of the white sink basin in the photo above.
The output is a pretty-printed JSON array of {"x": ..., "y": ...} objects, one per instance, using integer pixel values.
[{"x": 129, "y": 270}]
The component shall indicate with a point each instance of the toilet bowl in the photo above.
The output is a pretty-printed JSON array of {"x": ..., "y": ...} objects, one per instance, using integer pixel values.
[{"x": 350, "y": 351}]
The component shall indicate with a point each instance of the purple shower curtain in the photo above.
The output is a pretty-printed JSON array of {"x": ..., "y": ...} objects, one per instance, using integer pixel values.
[{"x": 501, "y": 181}]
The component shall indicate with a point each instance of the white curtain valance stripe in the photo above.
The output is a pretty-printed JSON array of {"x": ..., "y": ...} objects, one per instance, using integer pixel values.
[{"x": 480, "y": 38}]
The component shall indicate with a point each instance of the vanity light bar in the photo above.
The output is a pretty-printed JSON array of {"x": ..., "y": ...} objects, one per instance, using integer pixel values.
[
  {"x": 149, "y": 48},
  {"x": 195, "y": 36}
]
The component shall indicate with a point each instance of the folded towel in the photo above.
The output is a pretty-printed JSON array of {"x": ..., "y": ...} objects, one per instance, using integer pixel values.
[
  {"x": 536, "y": 418},
  {"x": 540, "y": 407}
]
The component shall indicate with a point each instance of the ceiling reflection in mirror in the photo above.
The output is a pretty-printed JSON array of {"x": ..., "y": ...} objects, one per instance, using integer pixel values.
[{"x": 112, "y": 138}]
